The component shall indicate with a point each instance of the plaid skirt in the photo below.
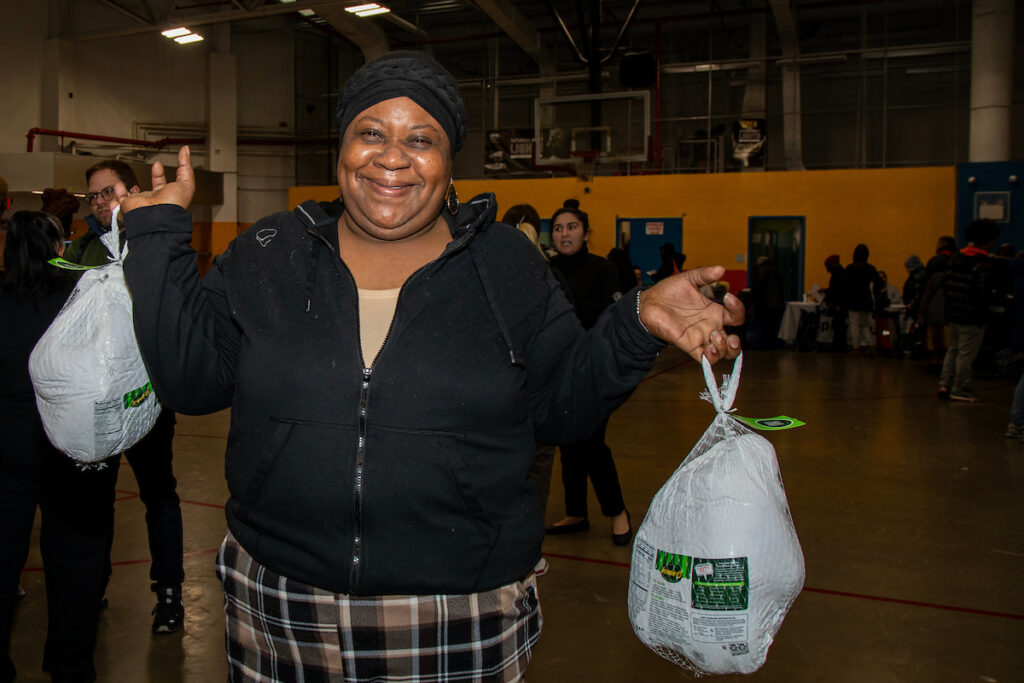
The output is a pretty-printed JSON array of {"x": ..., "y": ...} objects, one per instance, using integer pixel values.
[{"x": 282, "y": 630}]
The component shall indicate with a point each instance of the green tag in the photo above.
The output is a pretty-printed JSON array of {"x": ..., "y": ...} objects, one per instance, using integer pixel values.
[
  {"x": 68, "y": 265},
  {"x": 136, "y": 397},
  {"x": 770, "y": 424}
]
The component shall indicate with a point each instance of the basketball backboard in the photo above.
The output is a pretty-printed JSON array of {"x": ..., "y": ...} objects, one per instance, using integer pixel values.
[{"x": 615, "y": 126}]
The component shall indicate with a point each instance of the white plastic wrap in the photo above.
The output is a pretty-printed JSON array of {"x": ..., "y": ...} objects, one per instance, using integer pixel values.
[
  {"x": 717, "y": 563},
  {"x": 92, "y": 389}
]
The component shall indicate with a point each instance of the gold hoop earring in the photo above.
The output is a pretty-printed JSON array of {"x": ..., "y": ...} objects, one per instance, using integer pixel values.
[{"x": 451, "y": 198}]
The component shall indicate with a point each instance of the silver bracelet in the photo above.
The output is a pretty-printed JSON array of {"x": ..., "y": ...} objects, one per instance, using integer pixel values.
[{"x": 638, "y": 313}]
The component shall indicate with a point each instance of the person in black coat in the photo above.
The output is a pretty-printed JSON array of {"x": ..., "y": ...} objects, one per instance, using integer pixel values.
[
  {"x": 861, "y": 286},
  {"x": 595, "y": 285},
  {"x": 833, "y": 304},
  {"x": 671, "y": 262},
  {"x": 74, "y": 503},
  {"x": 769, "y": 303}
]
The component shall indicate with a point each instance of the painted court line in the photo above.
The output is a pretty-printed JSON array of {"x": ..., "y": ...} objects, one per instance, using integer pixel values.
[{"x": 825, "y": 591}]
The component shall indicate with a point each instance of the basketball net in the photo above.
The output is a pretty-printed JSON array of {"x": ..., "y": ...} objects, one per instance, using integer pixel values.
[{"x": 586, "y": 163}]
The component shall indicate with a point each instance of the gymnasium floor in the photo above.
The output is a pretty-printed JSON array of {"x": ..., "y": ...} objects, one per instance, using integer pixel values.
[{"x": 909, "y": 512}]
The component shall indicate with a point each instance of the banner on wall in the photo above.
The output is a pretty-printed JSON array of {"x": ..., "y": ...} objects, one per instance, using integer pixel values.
[
  {"x": 748, "y": 138},
  {"x": 508, "y": 151}
]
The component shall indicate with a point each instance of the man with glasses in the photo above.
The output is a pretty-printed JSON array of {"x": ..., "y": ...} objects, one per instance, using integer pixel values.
[{"x": 150, "y": 459}]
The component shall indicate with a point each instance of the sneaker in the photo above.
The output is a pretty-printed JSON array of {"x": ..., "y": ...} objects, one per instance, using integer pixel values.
[
  {"x": 542, "y": 567},
  {"x": 943, "y": 392},
  {"x": 1014, "y": 431},
  {"x": 964, "y": 396},
  {"x": 169, "y": 613},
  {"x": 22, "y": 592}
]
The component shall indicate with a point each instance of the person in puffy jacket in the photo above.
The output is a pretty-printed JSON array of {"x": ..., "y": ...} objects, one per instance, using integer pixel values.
[
  {"x": 390, "y": 359},
  {"x": 968, "y": 290}
]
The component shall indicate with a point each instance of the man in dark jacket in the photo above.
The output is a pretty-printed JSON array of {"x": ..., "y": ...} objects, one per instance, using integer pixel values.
[
  {"x": 150, "y": 458},
  {"x": 967, "y": 288},
  {"x": 932, "y": 309}
]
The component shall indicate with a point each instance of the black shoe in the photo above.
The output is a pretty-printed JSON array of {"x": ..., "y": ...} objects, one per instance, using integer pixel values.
[
  {"x": 624, "y": 538},
  {"x": 573, "y": 528},
  {"x": 169, "y": 613}
]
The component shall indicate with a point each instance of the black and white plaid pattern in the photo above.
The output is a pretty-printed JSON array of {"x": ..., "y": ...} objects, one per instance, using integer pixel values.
[{"x": 283, "y": 630}]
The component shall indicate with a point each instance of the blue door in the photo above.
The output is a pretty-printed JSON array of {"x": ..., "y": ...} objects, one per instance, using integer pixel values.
[{"x": 643, "y": 237}]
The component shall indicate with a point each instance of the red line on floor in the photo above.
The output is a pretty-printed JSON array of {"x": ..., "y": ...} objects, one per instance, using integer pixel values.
[
  {"x": 825, "y": 591},
  {"x": 915, "y": 603}
]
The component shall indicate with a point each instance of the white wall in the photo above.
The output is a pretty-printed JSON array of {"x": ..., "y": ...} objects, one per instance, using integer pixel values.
[
  {"x": 148, "y": 79},
  {"x": 21, "y": 53},
  {"x": 266, "y": 101}
]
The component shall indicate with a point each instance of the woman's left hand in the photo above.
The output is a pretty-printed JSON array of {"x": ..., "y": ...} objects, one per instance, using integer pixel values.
[{"x": 677, "y": 313}]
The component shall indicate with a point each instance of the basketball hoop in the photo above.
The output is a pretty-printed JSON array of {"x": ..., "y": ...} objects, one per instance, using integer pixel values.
[{"x": 586, "y": 162}]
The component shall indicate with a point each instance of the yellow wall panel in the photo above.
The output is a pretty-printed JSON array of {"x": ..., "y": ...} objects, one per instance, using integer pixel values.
[{"x": 896, "y": 212}]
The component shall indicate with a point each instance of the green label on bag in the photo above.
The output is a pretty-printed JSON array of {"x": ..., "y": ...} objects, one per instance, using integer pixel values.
[
  {"x": 136, "y": 397},
  {"x": 720, "y": 584},
  {"x": 770, "y": 424},
  {"x": 672, "y": 567}
]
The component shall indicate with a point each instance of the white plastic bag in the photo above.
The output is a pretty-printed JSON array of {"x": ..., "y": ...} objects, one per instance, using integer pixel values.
[
  {"x": 717, "y": 563},
  {"x": 92, "y": 389}
]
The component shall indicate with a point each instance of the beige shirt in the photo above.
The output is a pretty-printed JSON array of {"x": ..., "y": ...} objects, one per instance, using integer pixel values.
[{"x": 376, "y": 311}]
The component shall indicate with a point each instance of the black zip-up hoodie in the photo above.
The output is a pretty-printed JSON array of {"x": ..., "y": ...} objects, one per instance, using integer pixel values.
[{"x": 404, "y": 474}]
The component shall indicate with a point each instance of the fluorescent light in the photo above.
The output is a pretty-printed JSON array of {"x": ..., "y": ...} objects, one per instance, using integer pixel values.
[
  {"x": 362, "y": 8},
  {"x": 190, "y": 38},
  {"x": 176, "y": 32},
  {"x": 371, "y": 12},
  {"x": 307, "y": 12},
  {"x": 285, "y": 2}
]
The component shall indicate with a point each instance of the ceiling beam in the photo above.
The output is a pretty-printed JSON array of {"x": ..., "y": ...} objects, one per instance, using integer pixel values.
[
  {"x": 368, "y": 36},
  {"x": 129, "y": 13},
  {"x": 205, "y": 19},
  {"x": 517, "y": 27}
]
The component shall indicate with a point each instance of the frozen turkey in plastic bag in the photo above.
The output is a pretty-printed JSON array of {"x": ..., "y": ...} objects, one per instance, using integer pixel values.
[
  {"x": 716, "y": 562},
  {"x": 92, "y": 388}
]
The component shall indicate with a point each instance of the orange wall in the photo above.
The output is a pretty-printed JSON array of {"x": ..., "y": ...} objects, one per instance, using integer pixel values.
[{"x": 896, "y": 212}]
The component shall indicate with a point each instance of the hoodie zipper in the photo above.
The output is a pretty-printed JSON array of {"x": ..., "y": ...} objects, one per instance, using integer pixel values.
[{"x": 364, "y": 397}]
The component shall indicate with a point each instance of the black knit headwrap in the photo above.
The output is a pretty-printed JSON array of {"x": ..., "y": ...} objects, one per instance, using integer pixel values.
[{"x": 411, "y": 74}]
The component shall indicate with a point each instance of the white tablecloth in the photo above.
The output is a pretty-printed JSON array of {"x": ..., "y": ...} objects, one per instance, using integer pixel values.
[{"x": 791, "y": 319}]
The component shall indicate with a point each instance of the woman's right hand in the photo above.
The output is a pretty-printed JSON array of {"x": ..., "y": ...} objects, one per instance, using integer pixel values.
[{"x": 178, "y": 192}]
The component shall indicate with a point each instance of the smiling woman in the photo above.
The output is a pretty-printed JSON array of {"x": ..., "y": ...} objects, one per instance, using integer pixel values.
[{"x": 389, "y": 358}]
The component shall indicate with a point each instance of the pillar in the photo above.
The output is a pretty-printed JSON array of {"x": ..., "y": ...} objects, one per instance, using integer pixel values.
[{"x": 991, "y": 79}]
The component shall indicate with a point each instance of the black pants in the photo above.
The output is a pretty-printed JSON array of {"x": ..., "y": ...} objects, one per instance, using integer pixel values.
[
  {"x": 150, "y": 460},
  {"x": 590, "y": 458},
  {"x": 74, "y": 539}
]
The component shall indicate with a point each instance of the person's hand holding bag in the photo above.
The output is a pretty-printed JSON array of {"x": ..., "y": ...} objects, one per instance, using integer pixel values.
[{"x": 677, "y": 313}]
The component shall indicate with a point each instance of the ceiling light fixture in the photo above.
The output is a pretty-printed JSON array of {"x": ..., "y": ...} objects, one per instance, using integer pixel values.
[
  {"x": 372, "y": 12},
  {"x": 362, "y": 8},
  {"x": 190, "y": 38},
  {"x": 176, "y": 32}
]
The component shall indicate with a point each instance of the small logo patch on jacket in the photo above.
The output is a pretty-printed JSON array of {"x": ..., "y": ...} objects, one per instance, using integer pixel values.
[{"x": 265, "y": 235}]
